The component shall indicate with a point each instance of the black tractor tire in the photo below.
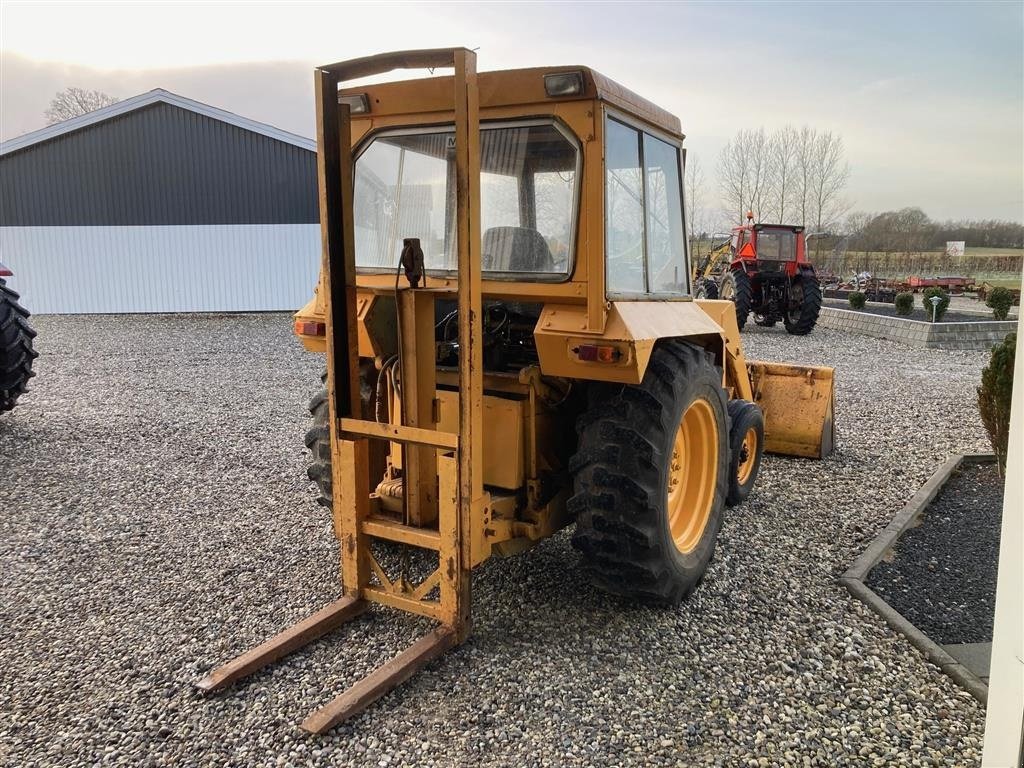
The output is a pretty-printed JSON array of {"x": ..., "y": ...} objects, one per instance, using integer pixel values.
[
  {"x": 736, "y": 286},
  {"x": 318, "y": 441},
  {"x": 746, "y": 446},
  {"x": 16, "y": 352},
  {"x": 804, "y": 305},
  {"x": 621, "y": 478},
  {"x": 318, "y": 437},
  {"x": 765, "y": 321},
  {"x": 706, "y": 289}
]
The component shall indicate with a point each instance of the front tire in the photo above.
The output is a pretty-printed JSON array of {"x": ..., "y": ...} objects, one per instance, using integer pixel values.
[
  {"x": 746, "y": 446},
  {"x": 736, "y": 287},
  {"x": 650, "y": 478},
  {"x": 706, "y": 289},
  {"x": 16, "y": 352}
]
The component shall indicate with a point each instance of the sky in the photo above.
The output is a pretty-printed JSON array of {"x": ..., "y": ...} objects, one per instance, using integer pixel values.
[{"x": 928, "y": 97}]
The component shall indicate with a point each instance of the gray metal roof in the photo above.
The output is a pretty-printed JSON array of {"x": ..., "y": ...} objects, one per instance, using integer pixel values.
[{"x": 144, "y": 100}]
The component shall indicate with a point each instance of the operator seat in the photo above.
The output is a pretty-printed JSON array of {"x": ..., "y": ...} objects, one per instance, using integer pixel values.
[{"x": 516, "y": 249}]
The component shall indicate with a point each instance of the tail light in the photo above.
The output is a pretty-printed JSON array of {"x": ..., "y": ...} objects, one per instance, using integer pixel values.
[{"x": 310, "y": 328}]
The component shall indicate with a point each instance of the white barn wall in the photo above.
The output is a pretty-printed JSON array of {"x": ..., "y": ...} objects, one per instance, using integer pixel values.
[{"x": 178, "y": 268}]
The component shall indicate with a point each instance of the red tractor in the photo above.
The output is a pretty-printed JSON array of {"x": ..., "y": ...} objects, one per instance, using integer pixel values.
[{"x": 768, "y": 275}]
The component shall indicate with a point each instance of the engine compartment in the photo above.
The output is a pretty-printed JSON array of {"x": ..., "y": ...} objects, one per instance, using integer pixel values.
[{"x": 508, "y": 343}]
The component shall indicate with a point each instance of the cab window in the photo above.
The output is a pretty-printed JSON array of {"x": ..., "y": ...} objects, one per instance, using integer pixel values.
[{"x": 644, "y": 239}]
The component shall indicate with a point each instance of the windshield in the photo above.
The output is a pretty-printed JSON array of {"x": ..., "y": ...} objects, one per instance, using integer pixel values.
[
  {"x": 405, "y": 187},
  {"x": 776, "y": 245}
]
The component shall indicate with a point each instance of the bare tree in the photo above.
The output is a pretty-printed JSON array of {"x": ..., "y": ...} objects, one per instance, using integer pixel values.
[
  {"x": 803, "y": 190},
  {"x": 733, "y": 177},
  {"x": 831, "y": 173},
  {"x": 793, "y": 176},
  {"x": 72, "y": 102},
  {"x": 782, "y": 159},
  {"x": 694, "y": 196},
  {"x": 743, "y": 170}
]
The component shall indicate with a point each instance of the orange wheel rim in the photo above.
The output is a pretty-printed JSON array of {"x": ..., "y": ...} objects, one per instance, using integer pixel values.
[
  {"x": 748, "y": 456},
  {"x": 693, "y": 475}
]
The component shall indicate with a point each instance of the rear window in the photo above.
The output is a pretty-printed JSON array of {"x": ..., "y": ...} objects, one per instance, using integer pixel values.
[{"x": 776, "y": 245}]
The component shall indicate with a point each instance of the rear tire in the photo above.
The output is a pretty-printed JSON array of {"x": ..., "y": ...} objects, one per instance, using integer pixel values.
[
  {"x": 804, "y": 305},
  {"x": 650, "y": 478},
  {"x": 746, "y": 446},
  {"x": 318, "y": 438},
  {"x": 16, "y": 352},
  {"x": 318, "y": 441},
  {"x": 736, "y": 287}
]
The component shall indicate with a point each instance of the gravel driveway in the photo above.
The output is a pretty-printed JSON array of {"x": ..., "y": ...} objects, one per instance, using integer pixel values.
[{"x": 156, "y": 520}]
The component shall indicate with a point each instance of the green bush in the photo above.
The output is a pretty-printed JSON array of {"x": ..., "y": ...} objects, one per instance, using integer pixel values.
[
  {"x": 857, "y": 299},
  {"x": 999, "y": 301},
  {"x": 943, "y": 304},
  {"x": 904, "y": 303},
  {"x": 994, "y": 396}
]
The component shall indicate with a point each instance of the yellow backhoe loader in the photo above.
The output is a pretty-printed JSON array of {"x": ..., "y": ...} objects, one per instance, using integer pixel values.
[{"x": 512, "y": 347}]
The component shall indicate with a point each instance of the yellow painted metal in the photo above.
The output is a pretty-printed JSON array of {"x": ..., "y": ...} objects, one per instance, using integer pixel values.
[
  {"x": 633, "y": 327},
  {"x": 515, "y": 89},
  {"x": 313, "y": 310},
  {"x": 503, "y": 443},
  {"x": 504, "y": 464},
  {"x": 736, "y": 378},
  {"x": 419, "y": 373},
  {"x": 471, "y": 499},
  {"x": 357, "y": 428},
  {"x": 384, "y": 528},
  {"x": 405, "y": 601},
  {"x": 798, "y": 405},
  {"x": 693, "y": 475}
]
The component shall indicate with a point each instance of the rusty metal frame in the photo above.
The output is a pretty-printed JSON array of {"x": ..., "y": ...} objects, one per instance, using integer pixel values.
[{"x": 462, "y": 506}]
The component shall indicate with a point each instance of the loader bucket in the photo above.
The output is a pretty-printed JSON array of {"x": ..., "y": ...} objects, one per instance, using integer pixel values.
[{"x": 797, "y": 401}]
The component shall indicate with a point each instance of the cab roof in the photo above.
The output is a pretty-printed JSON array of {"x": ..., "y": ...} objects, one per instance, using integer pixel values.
[{"x": 507, "y": 88}]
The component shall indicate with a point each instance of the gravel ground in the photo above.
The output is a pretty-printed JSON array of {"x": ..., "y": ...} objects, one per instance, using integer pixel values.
[
  {"x": 943, "y": 577},
  {"x": 156, "y": 520}
]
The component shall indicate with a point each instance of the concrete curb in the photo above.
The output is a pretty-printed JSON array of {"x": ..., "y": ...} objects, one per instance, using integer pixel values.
[
  {"x": 976, "y": 335},
  {"x": 854, "y": 577}
]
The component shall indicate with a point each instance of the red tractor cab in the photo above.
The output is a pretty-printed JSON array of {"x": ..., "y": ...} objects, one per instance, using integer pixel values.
[{"x": 769, "y": 276}]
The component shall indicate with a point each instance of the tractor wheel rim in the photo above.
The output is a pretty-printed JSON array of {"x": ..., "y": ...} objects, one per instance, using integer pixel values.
[
  {"x": 693, "y": 475},
  {"x": 748, "y": 455},
  {"x": 727, "y": 291}
]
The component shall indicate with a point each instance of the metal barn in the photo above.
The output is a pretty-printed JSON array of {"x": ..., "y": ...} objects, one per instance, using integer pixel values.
[{"x": 160, "y": 204}]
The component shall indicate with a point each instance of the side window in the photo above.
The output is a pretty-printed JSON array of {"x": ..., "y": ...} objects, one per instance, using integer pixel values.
[
  {"x": 644, "y": 241},
  {"x": 665, "y": 260},
  {"x": 624, "y": 212}
]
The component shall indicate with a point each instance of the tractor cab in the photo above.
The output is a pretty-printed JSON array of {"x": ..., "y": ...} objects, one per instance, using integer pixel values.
[{"x": 768, "y": 247}]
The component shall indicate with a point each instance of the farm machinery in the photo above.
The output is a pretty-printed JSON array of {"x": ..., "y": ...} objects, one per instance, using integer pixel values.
[
  {"x": 512, "y": 347},
  {"x": 763, "y": 269},
  {"x": 16, "y": 347}
]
